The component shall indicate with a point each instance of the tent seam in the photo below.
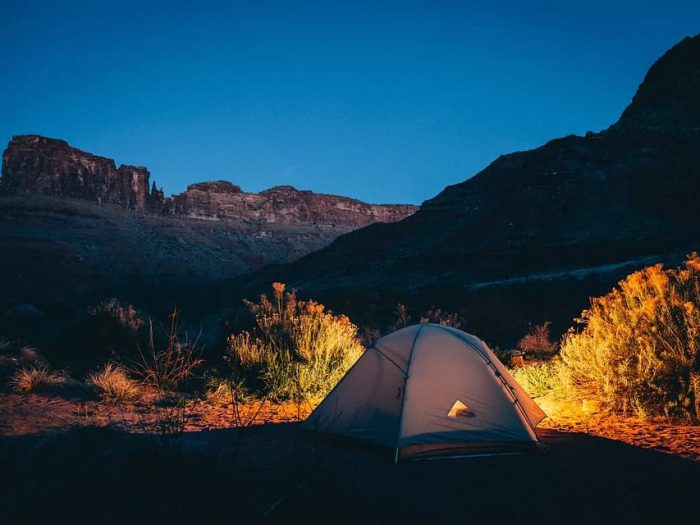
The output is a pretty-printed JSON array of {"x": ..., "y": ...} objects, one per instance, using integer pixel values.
[
  {"x": 405, "y": 382},
  {"x": 376, "y": 347}
]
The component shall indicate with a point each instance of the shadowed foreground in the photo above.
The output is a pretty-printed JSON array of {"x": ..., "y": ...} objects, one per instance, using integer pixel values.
[{"x": 278, "y": 473}]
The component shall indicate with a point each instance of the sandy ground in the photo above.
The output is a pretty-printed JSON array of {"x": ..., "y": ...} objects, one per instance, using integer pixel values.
[
  {"x": 71, "y": 458},
  {"x": 656, "y": 434},
  {"x": 26, "y": 414}
]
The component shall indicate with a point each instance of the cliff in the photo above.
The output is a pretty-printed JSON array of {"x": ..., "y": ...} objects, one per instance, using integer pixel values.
[
  {"x": 39, "y": 165},
  {"x": 280, "y": 205},
  {"x": 42, "y": 166}
]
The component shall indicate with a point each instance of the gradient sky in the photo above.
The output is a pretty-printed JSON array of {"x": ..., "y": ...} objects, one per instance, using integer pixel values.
[{"x": 382, "y": 101}]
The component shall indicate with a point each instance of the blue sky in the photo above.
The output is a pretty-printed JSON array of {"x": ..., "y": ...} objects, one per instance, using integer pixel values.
[{"x": 382, "y": 101}]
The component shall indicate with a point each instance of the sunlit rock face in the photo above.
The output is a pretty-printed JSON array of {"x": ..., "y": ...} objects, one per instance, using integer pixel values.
[
  {"x": 43, "y": 166},
  {"x": 281, "y": 205}
]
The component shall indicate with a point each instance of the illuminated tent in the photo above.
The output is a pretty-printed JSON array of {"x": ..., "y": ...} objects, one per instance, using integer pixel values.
[{"x": 430, "y": 389}]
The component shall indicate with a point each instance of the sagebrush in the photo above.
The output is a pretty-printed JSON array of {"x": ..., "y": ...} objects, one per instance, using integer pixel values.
[
  {"x": 296, "y": 350},
  {"x": 541, "y": 378},
  {"x": 538, "y": 342},
  {"x": 639, "y": 349}
]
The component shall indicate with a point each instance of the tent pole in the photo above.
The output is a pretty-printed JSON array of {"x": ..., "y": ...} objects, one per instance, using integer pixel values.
[{"x": 403, "y": 398}]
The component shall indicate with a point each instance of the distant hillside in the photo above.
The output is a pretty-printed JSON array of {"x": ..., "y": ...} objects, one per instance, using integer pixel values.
[
  {"x": 530, "y": 237},
  {"x": 75, "y": 229},
  {"x": 35, "y": 165}
]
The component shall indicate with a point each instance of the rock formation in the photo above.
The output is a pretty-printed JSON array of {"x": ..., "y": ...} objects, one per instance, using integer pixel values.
[
  {"x": 75, "y": 229},
  {"x": 280, "y": 205},
  {"x": 34, "y": 164},
  {"x": 39, "y": 165}
]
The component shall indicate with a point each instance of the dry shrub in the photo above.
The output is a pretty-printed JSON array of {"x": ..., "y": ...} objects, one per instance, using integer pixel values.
[
  {"x": 437, "y": 316},
  {"x": 36, "y": 378},
  {"x": 165, "y": 366},
  {"x": 114, "y": 385},
  {"x": 538, "y": 342},
  {"x": 541, "y": 378},
  {"x": 297, "y": 349},
  {"x": 403, "y": 318},
  {"x": 219, "y": 391},
  {"x": 114, "y": 326},
  {"x": 639, "y": 349},
  {"x": 113, "y": 310}
]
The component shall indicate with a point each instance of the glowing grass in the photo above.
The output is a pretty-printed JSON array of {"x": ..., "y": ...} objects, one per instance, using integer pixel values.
[{"x": 114, "y": 385}]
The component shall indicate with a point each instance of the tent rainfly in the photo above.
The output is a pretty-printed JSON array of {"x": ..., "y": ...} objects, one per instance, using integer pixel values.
[{"x": 430, "y": 390}]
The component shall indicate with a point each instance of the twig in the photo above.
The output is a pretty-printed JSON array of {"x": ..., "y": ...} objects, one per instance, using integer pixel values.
[{"x": 283, "y": 497}]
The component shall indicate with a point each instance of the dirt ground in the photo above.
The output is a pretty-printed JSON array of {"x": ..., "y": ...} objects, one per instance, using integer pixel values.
[
  {"x": 74, "y": 459},
  {"x": 25, "y": 414}
]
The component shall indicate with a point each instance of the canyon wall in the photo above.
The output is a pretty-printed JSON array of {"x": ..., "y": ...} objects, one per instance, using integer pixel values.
[{"x": 38, "y": 165}]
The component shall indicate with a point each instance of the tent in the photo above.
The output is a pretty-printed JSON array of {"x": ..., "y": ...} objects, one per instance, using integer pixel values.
[{"x": 430, "y": 389}]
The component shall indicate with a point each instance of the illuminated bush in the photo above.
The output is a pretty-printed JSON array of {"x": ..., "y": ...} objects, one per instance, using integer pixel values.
[
  {"x": 639, "y": 349},
  {"x": 538, "y": 342},
  {"x": 296, "y": 350},
  {"x": 114, "y": 385},
  {"x": 539, "y": 379}
]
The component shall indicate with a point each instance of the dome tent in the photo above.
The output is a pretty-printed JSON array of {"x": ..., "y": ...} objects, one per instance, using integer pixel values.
[{"x": 430, "y": 389}]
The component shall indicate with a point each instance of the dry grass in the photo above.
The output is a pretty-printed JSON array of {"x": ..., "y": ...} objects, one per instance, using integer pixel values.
[
  {"x": 639, "y": 349},
  {"x": 165, "y": 366},
  {"x": 114, "y": 385},
  {"x": 297, "y": 350},
  {"x": 36, "y": 378}
]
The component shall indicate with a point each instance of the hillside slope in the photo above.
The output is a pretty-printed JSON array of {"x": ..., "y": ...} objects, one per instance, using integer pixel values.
[
  {"x": 75, "y": 229},
  {"x": 580, "y": 211}
]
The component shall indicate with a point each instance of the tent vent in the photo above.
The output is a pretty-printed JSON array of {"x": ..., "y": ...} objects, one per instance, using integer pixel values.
[{"x": 459, "y": 409}]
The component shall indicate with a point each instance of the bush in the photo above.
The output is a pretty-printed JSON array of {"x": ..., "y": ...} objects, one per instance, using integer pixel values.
[
  {"x": 296, "y": 350},
  {"x": 36, "y": 378},
  {"x": 539, "y": 379},
  {"x": 639, "y": 349},
  {"x": 114, "y": 385},
  {"x": 538, "y": 342},
  {"x": 115, "y": 327},
  {"x": 165, "y": 365}
]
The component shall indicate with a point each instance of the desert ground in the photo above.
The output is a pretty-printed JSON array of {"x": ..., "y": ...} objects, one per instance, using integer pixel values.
[{"x": 66, "y": 456}]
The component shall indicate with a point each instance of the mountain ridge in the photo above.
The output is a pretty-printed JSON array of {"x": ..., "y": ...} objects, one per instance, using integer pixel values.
[
  {"x": 33, "y": 164},
  {"x": 629, "y": 192}
]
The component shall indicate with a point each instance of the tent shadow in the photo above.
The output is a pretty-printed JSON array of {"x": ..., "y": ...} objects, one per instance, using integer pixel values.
[{"x": 286, "y": 474}]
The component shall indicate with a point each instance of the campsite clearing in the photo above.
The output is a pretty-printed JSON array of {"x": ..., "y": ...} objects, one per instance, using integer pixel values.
[{"x": 279, "y": 473}]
